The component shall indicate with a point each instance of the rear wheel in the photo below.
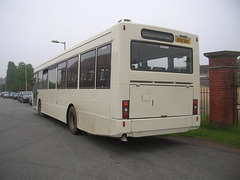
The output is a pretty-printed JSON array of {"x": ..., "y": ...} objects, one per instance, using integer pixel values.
[
  {"x": 40, "y": 108},
  {"x": 72, "y": 120}
]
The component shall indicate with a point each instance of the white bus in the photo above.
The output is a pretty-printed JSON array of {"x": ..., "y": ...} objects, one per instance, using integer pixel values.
[{"x": 131, "y": 80}]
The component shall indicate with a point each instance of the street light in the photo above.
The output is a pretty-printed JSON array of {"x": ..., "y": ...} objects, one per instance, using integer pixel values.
[
  {"x": 25, "y": 76},
  {"x": 56, "y": 41}
]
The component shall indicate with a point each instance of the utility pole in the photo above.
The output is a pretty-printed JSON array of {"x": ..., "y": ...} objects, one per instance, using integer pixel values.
[{"x": 25, "y": 76}]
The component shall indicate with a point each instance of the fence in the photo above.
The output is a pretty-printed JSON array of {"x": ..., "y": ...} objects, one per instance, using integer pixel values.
[{"x": 204, "y": 105}]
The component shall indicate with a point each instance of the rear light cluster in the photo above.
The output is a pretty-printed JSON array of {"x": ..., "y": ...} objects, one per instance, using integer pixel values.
[
  {"x": 195, "y": 106},
  {"x": 125, "y": 109}
]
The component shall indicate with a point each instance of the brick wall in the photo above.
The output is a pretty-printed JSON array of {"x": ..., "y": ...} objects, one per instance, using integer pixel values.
[{"x": 222, "y": 71}]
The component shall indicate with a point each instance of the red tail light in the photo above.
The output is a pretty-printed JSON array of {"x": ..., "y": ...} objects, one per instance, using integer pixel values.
[
  {"x": 125, "y": 109},
  {"x": 195, "y": 106}
]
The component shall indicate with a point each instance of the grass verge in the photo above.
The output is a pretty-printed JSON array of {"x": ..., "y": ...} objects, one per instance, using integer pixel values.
[{"x": 227, "y": 135}]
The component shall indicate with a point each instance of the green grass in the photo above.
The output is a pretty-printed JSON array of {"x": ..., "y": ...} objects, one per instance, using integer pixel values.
[{"x": 227, "y": 135}]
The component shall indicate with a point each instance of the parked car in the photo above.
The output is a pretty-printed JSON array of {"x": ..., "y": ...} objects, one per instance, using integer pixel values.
[
  {"x": 15, "y": 97},
  {"x": 20, "y": 93},
  {"x": 6, "y": 95},
  {"x": 11, "y": 94},
  {"x": 24, "y": 96},
  {"x": 2, "y": 94}
]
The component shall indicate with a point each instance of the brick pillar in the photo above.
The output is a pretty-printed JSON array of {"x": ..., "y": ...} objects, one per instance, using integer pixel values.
[{"x": 223, "y": 100}]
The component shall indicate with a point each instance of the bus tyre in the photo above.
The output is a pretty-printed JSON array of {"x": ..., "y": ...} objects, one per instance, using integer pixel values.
[
  {"x": 40, "y": 108},
  {"x": 72, "y": 121}
]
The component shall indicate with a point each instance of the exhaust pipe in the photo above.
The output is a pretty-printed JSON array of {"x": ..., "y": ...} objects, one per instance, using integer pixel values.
[{"x": 124, "y": 138}]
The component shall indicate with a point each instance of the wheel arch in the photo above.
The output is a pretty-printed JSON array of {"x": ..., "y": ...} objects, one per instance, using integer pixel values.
[
  {"x": 39, "y": 108},
  {"x": 73, "y": 128},
  {"x": 39, "y": 100},
  {"x": 69, "y": 106}
]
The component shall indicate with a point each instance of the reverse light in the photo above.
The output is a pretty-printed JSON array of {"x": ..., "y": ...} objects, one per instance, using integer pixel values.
[
  {"x": 125, "y": 109},
  {"x": 195, "y": 106}
]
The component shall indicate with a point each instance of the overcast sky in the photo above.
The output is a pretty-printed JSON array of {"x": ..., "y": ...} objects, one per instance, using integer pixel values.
[{"x": 28, "y": 26}]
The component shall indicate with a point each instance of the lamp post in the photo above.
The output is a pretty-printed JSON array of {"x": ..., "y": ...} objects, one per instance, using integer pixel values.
[
  {"x": 25, "y": 76},
  {"x": 64, "y": 43}
]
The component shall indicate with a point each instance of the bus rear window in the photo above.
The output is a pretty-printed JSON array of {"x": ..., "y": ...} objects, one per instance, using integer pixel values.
[{"x": 160, "y": 57}]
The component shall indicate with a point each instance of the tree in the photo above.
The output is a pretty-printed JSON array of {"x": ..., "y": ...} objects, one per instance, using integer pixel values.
[
  {"x": 2, "y": 87},
  {"x": 10, "y": 75},
  {"x": 29, "y": 70},
  {"x": 20, "y": 82}
]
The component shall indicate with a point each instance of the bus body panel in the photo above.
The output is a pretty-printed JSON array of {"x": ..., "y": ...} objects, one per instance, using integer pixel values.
[
  {"x": 162, "y": 126},
  {"x": 88, "y": 103},
  {"x": 153, "y": 126},
  {"x": 147, "y": 101}
]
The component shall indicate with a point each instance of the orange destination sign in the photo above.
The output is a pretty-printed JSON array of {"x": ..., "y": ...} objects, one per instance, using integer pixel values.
[{"x": 183, "y": 40}]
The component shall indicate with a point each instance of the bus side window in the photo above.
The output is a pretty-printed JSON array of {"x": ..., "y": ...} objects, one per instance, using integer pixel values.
[
  {"x": 87, "y": 69},
  {"x": 72, "y": 71},
  {"x": 104, "y": 67},
  {"x": 52, "y": 78},
  {"x": 61, "y": 76},
  {"x": 40, "y": 75},
  {"x": 45, "y": 79}
]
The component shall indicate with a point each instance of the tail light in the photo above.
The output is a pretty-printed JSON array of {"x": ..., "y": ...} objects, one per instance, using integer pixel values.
[
  {"x": 125, "y": 109},
  {"x": 195, "y": 106}
]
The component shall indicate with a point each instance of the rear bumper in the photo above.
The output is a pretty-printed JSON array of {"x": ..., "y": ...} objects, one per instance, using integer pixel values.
[{"x": 154, "y": 126}]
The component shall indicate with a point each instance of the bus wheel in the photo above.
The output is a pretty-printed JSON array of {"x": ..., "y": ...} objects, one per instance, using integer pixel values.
[
  {"x": 40, "y": 108},
  {"x": 72, "y": 121}
]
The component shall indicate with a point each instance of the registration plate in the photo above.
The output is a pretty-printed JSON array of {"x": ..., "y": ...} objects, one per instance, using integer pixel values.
[{"x": 183, "y": 40}]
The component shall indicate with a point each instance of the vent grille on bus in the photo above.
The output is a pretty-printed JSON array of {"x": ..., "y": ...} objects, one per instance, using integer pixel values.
[{"x": 124, "y": 20}]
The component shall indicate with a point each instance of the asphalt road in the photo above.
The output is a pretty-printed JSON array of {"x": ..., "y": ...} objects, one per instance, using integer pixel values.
[{"x": 32, "y": 147}]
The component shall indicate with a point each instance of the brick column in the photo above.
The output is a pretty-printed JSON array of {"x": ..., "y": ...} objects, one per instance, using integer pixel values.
[{"x": 222, "y": 84}]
